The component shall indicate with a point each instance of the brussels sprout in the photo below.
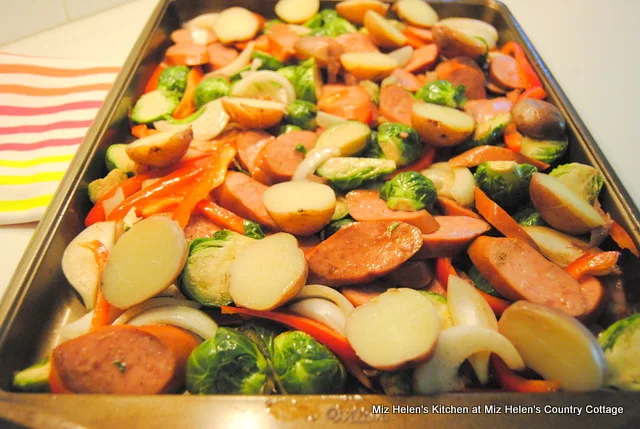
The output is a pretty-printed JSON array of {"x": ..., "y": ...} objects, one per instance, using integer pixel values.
[
  {"x": 342, "y": 208},
  {"x": 583, "y": 179},
  {"x": 302, "y": 113},
  {"x": 347, "y": 173},
  {"x": 101, "y": 187},
  {"x": 505, "y": 182},
  {"x": 154, "y": 105},
  {"x": 253, "y": 230},
  {"x": 304, "y": 366},
  {"x": 409, "y": 191},
  {"x": 621, "y": 345},
  {"x": 528, "y": 216},
  {"x": 287, "y": 128},
  {"x": 372, "y": 89},
  {"x": 116, "y": 157},
  {"x": 328, "y": 23},
  {"x": 229, "y": 363},
  {"x": 33, "y": 379},
  {"x": 269, "y": 62},
  {"x": 543, "y": 150},
  {"x": 480, "y": 282},
  {"x": 205, "y": 277},
  {"x": 306, "y": 80},
  {"x": 397, "y": 142},
  {"x": 335, "y": 226},
  {"x": 210, "y": 89},
  {"x": 174, "y": 79},
  {"x": 491, "y": 131},
  {"x": 442, "y": 92},
  {"x": 397, "y": 383},
  {"x": 439, "y": 302}
]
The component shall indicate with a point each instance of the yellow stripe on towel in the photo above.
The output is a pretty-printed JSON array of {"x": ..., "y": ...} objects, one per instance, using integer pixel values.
[
  {"x": 35, "y": 178},
  {"x": 36, "y": 161},
  {"x": 23, "y": 205}
]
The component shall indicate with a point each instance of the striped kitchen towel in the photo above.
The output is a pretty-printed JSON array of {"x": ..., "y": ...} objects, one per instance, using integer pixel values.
[{"x": 46, "y": 107}]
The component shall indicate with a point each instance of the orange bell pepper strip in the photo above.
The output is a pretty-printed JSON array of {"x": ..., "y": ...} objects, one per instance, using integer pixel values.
[
  {"x": 152, "y": 83},
  {"x": 128, "y": 187},
  {"x": 221, "y": 216},
  {"x": 453, "y": 208},
  {"x": 211, "y": 177},
  {"x": 623, "y": 239},
  {"x": 512, "y": 138},
  {"x": 530, "y": 75},
  {"x": 187, "y": 105},
  {"x": 500, "y": 219},
  {"x": 512, "y": 382},
  {"x": 141, "y": 130},
  {"x": 159, "y": 205},
  {"x": 421, "y": 164},
  {"x": 593, "y": 264},
  {"x": 479, "y": 154},
  {"x": 536, "y": 92}
]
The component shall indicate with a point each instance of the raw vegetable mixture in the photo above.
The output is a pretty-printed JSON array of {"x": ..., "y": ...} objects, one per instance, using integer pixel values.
[{"x": 365, "y": 199}]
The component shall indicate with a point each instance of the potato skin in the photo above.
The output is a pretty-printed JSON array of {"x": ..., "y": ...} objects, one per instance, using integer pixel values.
[
  {"x": 252, "y": 116},
  {"x": 453, "y": 43},
  {"x": 306, "y": 222},
  {"x": 436, "y": 132},
  {"x": 355, "y": 11},
  {"x": 539, "y": 119},
  {"x": 161, "y": 153},
  {"x": 380, "y": 35}
]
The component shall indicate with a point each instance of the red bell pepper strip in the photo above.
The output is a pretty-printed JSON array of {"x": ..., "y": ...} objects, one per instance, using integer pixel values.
[
  {"x": 221, "y": 216},
  {"x": 536, "y": 92},
  {"x": 421, "y": 164},
  {"x": 623, "y": 239},
  {"x": 211, "y": 177},
  {"x": 327, "y": 336},
  {"x": 593, "y": 264},
  {"x": 159, "y": 205},
  {"x": 129, "y": 187},
  {"x": 512, "y": 138},
  {"x": 141, "y": 131},
  {"x": 187, "y": 105},
  {"x": 512, "y": 382},
  {"x": 530, "y": 75},
  {"x": 152, "y": 83}
]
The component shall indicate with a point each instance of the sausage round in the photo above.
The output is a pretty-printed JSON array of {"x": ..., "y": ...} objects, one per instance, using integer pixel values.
[
  {"x": 504, "y": 72},
  {"x": 454, "y": 234},
  {"x": 250, "y": 145},
  {"x": 187, "y": 54},
  {"x": 464, "y": 71},
  {"x": 280, "y": 158}
]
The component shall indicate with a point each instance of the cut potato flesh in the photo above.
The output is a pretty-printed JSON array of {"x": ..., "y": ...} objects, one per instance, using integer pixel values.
[
  {"x": 416, "y": 12},
  {"x": 350, "y": 138},
  {"x": 300, "y": 207},
  {"x": 462, "y": 188},
  {"x": 236, "y": 24},
  {"x": 296, "y": 11},
  {"x": 268, "y": 273},
  {"x": 144, "y": 262},
  {"x": 355, "y": 10},
  {"x": 561, "y": 207},
  {"x": 160, "y": 149},
  {"x": 202, "y": 22},
  {"x": 441, "y": 125},
  {"x": 474, "y": 28},
  {"x": 253, "y": 113},
  {"x": 383, "y": 32},
  {"x": 395, "y": 329},
  {"x": 455, "y": 345},
  {"x": 555, "y": 345},
  {"x": 556, "y": 246},
  {"x": 368, "y": 65},
  {"x": 79, "y": 263},
  {"x": 402, "y": 55}
]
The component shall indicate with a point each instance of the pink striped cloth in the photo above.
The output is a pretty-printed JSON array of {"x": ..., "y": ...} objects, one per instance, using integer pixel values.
[{"x": 46, "y": 106}]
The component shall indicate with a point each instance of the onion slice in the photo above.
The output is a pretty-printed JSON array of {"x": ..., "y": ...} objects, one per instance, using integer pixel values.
[
  {"x": 236, "y": 65},
  {"x": 285, "y": 93},
  {"x": 325, "y": 292},
  {"x": 75, "y": 329},
  {"x": 314, "y": 159},
  {"x": 402, "y": 55},
  {"x": 321, "y": 311},
  {"x": 150, "y": 304},
  {"x": 165, "y": 126},
  {"x": 326, "y": 120},
  {"x": 111, "y": 203},
  {"x": 181, "y": 316}
]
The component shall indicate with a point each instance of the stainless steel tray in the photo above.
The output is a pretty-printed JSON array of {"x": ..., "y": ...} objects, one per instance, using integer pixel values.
[{"x": 38, "y": 299}]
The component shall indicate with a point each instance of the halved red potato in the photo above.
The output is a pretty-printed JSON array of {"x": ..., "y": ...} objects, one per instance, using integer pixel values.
[
  {"x": 453, "y": 43},
  {"x": 355, "y": 10},
  {"x": 253, "y": 113},
  {"x": 296, "y": 11},
  {"x": 416, "y": 12},
  {"x": 383, "y": 32},
  {"x": 368, "y": 65},
  {"x": 440, "y": 125},
  {"x": 160, "y": 149},
  {"x": 236, "y": 24}
]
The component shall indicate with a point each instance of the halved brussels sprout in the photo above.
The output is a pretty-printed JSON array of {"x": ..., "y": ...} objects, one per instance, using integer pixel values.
[
  {"x": 543, "y": 150},
  {"x": 442, "y": 92},
  {"x": 335, "y": 226},
  {"x": 409, "y": 191},
  {"x": 480, "y": 282},
  {"x": 210, "y": 89},
  {"x": 505, "y": 182},
  {"x": 306, "y": 80},
  {"x": 302, "y": 114},
  {"x": 269, "y": 62},
  {"x": 174, "y": 79},
  {"x": 347, "y": 173},
  {"x": 397, "y": 142},
  {"x": 621, "y": 345},
  {"x": 397, "y": 383},
  {"x": 372, "y": 89},
  {"x": 583, "y": 179},
  {"x": 33, "y": 379},
  {"x": 529, "y": 216},
  {"x": 328, "y": 23}
]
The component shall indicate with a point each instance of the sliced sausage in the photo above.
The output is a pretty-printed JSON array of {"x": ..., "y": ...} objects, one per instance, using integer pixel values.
[
  {"x": 595, "y": 298},
  {"x": 356, "y": 42},
  {"x": 243, "y": 196},
  {"x": 187, "y": 54},
  {"x": 421, "y": 33},
  {"x": 424, "y": 58},
  {"x": 504, "y": 72},
  {"x": 360, "y": 295},
  {"x": 407, "y": 80},
  {"x": 464, "y": 71},
  {"x": 452, "y": 208},
  {"x": 484, "y": 110},
  {"x": 250, "y": 145},
  {"x": 396, "y": 104},
  {"x": 199, "y": 227},
  {"x": 308, "y": 243},
  {"x": 365, "y": 205},
  {"x": 280, "y": 158},
  {"x": 454, "y": 234},
  {"x": 414, "y": 274},
  {"x": 221, "y": 55},
  {"x": 363, "y": 251},
  {"x": 199, "y": 36},
  {"x": 517, "y": 271},
  {"x": 124, "y": 360}
]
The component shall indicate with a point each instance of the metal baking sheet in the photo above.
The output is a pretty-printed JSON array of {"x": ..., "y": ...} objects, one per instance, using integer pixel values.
[{"x": 39, "y": 300}]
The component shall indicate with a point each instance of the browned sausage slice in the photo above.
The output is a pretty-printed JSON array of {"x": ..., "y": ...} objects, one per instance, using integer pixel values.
[
  {"x": 411, "y": 274},
  {"x": 187, "y": 54},
  {"x": 454, "y": 234},
  {"x": 308, "y": 243},
  {"x": 517, "y": 271},
  {"x": 123, "y": 360},
  {"x": 185, "y": 35},
  {"x": 484, "y": 110},
  {"x": 243, "y": 196},
  {"x": 363, "y": 251},
  {"x": 365, "y": 205},
  {"x": 595, "y": 297},
  {"x": 464, "y": 71},
  {"x": 504, "y": 72},
  {"x": 200, "y": 227},
  {"x": 250, "y": 145},
  {"x": 356, "y": 42},
  {"x": 221, "y": 55},
  {"x": 280, "y": 158}
]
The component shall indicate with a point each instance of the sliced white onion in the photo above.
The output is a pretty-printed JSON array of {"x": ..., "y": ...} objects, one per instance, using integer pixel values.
[
  {"x": 463, "y": 186},
  {"x": 402, "y": 55},
  {"x": 75, "y": 329},
  {"x": 211, "y": 123},
  {"x": 236, "y": 65},
  {"x": 258, "y": 83},
  {"x": 322, "y": 311},
  {"x": 314, "y": 159},
  {"x": 150, "y": 304},
  {"x": 300, "y": 30},
  {"x": 326, "y": 120},
  {"x": 111, "y": 203},
  {"x": 325, "y": 292},
  {"x": 166, "y": 126},
  {"x": 441, "y": 174},
  {"x": 199, "y": 36},
  {"x": 181, "y": 316}
]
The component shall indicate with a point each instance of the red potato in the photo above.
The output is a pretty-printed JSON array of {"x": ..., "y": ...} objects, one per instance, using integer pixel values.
[
  {"x": 221, "y": 55},
  {"x": 464, "y": 71},
  {"x": 355, "y": 10},
  {"x": 123, "y": 360},
  {"x": 452, "y": 42},
  {"x": 518, "y": 272},
  {"x": 413, "y": 274},
  {"x": 424, "y": 58},
  {"x": 595, "y": 298},
  {"x": 484, "y": 110},
  {"x": 504, "y": 72},
  {"x": 250, "y": 146},
  {"x": 383, "y": 33},
  {"x": 367, "y": 206},
  {"x": 396, "y": 104},
  {"x": 187, "y": 54},
  {"x": 199, "y": 227},
  {"x": 243, "y": 196},
  {"x": 363, "y": 251},
  {"x": 356, "y": 42},
  {"x": 454, "y": 234},
  {"x": 280, "y": 159},
  {"x": 199, "y": 36}
]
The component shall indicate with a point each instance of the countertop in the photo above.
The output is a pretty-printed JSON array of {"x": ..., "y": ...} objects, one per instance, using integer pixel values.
[{"x": 590, "y": 47}]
